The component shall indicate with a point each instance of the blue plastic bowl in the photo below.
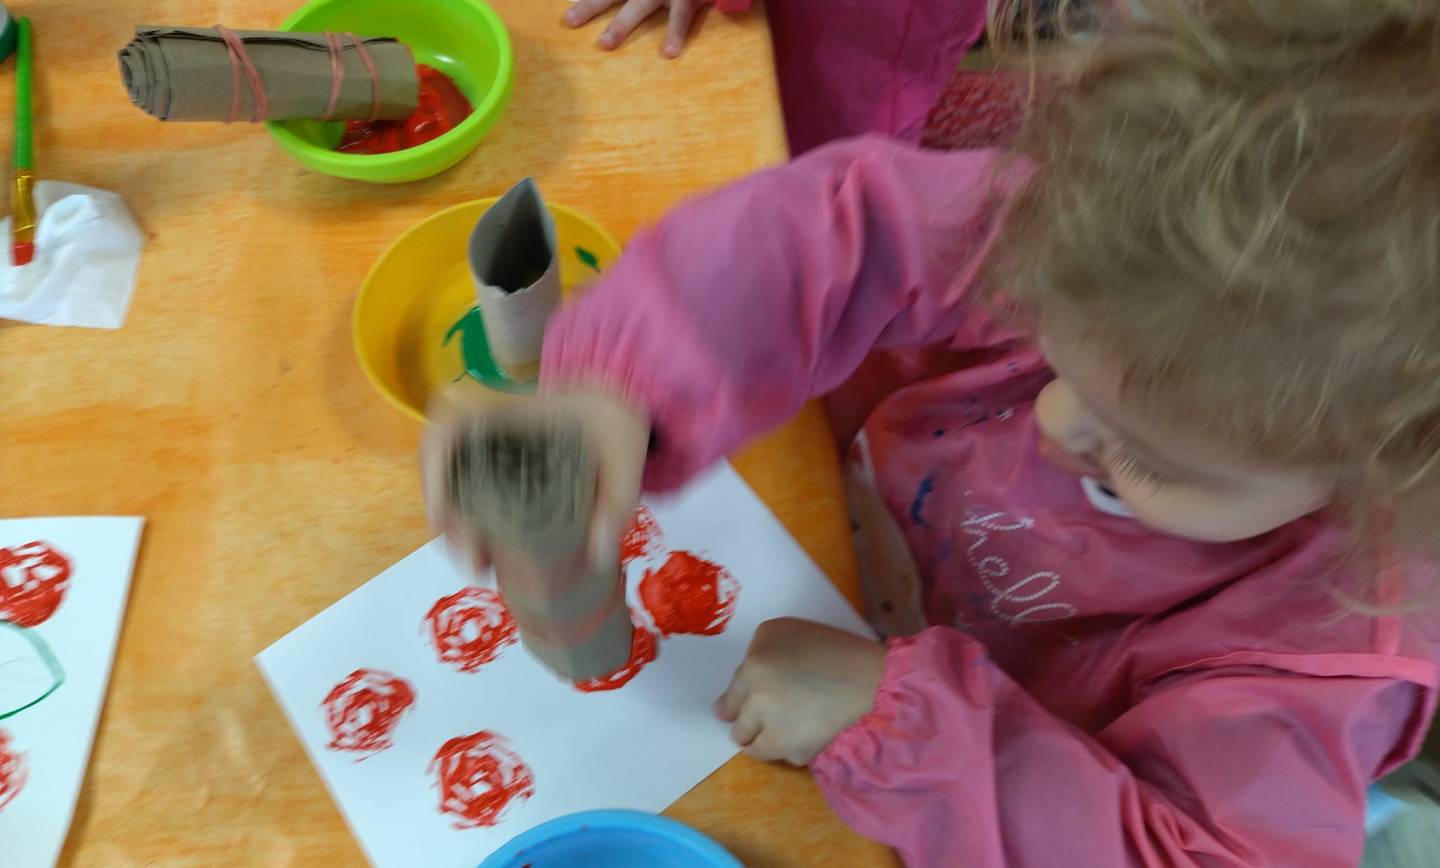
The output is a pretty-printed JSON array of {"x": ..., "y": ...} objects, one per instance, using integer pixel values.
[{"x": 611, "y": 839}]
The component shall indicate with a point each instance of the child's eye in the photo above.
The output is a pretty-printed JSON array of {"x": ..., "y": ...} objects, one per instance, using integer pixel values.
[{"x": 1130, "y": 466}]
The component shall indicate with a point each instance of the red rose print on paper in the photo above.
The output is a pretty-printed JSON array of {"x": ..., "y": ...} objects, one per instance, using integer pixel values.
[
  {"x": 642, "y": 538},
  {"x": 364, "y": 709},
  {"x": 643, "y": 651},
  {"x": 689, "y": 595},
  {"x": 33, "y": 581},
  {"x": 470, "y": 628},
  {"x": 12, "y": 771},
  {"x": 479, "y": 776}
]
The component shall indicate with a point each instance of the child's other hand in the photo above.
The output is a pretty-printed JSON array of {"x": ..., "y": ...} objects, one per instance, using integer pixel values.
[
  {"x": 682, "y": 13},
  {"x": 801, "y": 685},
  {"x": 618, "y": 436}
]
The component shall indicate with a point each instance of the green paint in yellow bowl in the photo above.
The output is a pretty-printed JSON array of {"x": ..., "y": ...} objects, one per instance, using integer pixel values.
[
  {"x": 416, "y": 327},
  {"x": 464, "y": 39}
]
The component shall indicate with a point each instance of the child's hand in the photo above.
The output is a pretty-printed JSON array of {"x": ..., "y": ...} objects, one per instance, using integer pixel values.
[
  {"x": 682, "y": 13},
  {"x": 801, "y": 685},
  {"x": 618, "y": 437}
]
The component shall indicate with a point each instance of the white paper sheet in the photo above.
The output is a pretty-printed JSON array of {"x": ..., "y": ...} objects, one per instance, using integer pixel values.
[
  {"x": 63, "y": 586},
  {"x": 640, "y": 746}
]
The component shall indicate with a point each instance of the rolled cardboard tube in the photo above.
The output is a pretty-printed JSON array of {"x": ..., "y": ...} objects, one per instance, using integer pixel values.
[
  {"x": 526, "y": 483},
  {"x": 516, "y": 270},
  {"x": 187, "y": 74}
]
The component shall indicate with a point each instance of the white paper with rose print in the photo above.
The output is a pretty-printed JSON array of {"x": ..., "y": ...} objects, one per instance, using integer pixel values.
[
  {"x": 640, "y": 747},
  {"x": 52, "y": 737}
]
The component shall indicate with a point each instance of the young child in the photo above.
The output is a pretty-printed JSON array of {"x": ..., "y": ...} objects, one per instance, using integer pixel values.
[{"x": 1147, "y": 470}]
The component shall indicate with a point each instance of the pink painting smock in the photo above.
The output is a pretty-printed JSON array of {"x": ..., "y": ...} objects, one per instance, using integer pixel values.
[
  {"x": 848, "y": 67},
  {"x": 1089, "y": 692}
]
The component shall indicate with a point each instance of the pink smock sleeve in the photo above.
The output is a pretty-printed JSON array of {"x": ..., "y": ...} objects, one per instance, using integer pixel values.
[
  {"x": 956, "y": 765},
  {"x": 723, "y": 319}
]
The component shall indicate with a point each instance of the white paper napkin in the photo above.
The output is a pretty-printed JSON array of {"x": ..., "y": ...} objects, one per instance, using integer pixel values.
[{"x": 87, "y": 250}]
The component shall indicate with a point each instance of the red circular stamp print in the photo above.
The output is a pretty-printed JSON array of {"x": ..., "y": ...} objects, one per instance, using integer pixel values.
[
  {"x": 479, "y": 776},
  {"x": 12, "y": 771},
  {"x": 33, "y": 581},
  {"x": 364, "y": 709},
  {"x": 642, "y": 538},
  {"x": 689, "y": 596},
  {"x": 470, "y": 628},
  {"x": 643, "y": 650}
]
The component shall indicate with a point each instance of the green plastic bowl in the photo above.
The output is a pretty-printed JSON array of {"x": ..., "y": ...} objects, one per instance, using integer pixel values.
[{"x": 464, "y": 39}]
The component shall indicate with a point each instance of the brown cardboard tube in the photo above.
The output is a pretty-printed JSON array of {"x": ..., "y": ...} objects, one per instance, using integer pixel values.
[
  {"x": 526, "y": 483},
  {"x": 186, "y": 74},
  {"x": 513, "y": 262}
]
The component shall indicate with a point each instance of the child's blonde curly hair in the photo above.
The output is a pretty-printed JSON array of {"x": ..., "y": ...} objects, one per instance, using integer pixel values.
[{"x": 1239, "y": 201}]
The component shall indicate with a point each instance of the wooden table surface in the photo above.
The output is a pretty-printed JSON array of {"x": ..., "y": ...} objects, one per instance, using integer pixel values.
[{"x": 230, "y": 411}]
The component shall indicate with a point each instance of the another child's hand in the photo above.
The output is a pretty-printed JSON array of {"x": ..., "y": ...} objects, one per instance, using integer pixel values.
[
  {"x": 801, "y": 685},
  {"x": 618, "y": 436},
  {"x": 682, "y": 13}
]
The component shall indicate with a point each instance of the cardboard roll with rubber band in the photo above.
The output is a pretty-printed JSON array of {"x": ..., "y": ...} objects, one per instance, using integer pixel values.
[
  {"x": 526, "y": 483},
  {"x": 218, "y": 74}
]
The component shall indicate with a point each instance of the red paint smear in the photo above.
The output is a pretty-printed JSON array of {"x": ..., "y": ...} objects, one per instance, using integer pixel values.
[
  {"x": 689, "y": 595},
  {"x": 364, "y": 709},
  {"x": 441, "y": 107},
  {"x": 479, "y": 776},
  {"x": 643, "y": 651},
  {"x": 642, "y": 538},
  {"x": 470, "y": 628},
  {"x": 23, "y": 252},
  {"x": 12, "y": 771},
  {"x": 33, "y": 581}
]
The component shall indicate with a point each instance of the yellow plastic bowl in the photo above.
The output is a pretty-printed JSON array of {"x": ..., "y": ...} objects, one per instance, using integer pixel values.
[{"x": 408, "y": 309}]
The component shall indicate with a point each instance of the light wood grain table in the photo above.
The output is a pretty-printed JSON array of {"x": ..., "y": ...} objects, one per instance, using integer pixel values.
[{"x": 230, "y": 411}]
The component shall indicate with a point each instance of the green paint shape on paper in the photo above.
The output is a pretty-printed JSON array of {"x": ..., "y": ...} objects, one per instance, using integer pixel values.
[
  {"x": 29, "y": 670},
  {"x": 479, "y": 364},
  {"x": 591, "y": 260}
]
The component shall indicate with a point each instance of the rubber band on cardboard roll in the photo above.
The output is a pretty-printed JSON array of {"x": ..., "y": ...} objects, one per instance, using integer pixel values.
[
  {"x": 242, "y": 67},
  {"x": 240, "y": 64},
  {"x": 337, "y": 75},
  {"x": 374, "y": 74}
]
